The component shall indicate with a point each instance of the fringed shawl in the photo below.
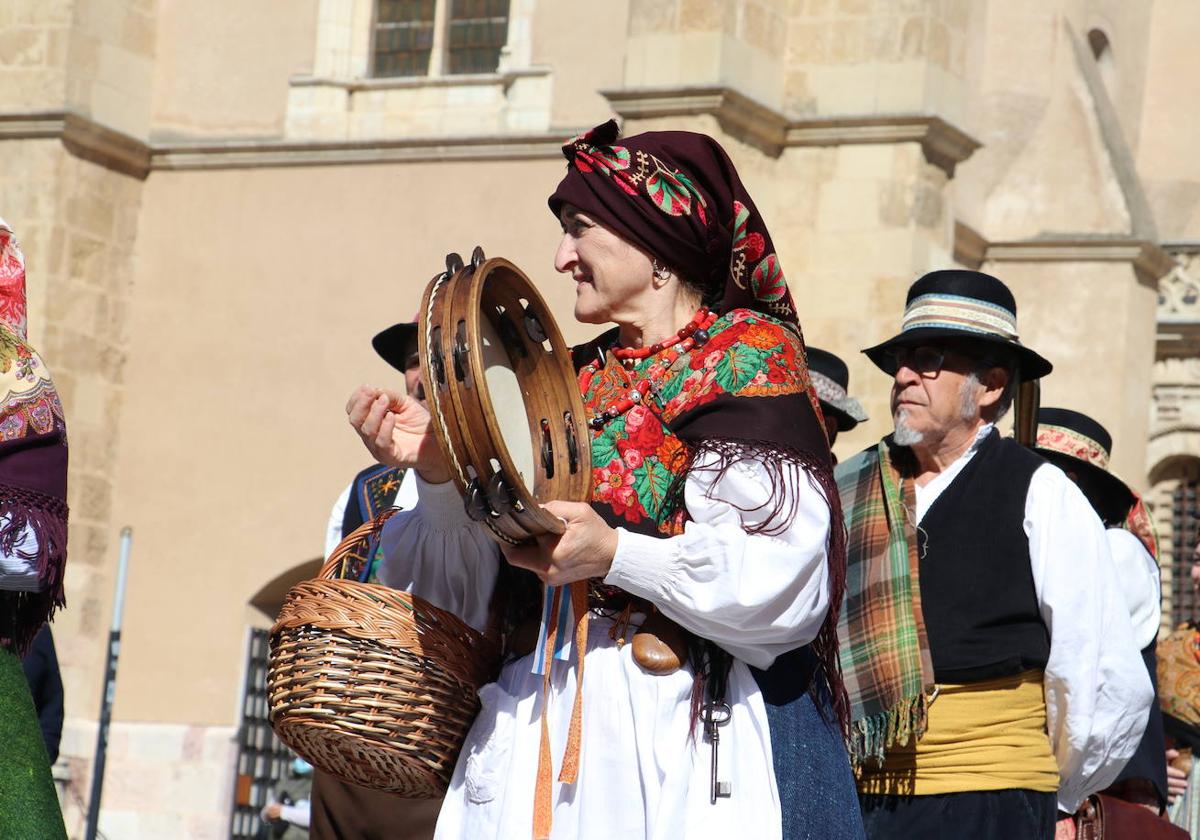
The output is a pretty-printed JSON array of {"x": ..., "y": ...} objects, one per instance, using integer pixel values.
[{"x": 33, "y": 485}]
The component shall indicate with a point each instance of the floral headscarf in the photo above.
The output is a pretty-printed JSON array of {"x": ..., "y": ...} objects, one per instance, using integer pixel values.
[{"x": 677, "y": 196}]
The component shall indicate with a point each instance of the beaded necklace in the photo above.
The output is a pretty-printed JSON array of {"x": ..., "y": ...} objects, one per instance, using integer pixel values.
[{"x": 695, "y": 334}]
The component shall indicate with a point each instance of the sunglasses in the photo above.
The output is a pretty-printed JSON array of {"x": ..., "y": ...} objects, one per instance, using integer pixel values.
[{"x": 925, "y": 359}]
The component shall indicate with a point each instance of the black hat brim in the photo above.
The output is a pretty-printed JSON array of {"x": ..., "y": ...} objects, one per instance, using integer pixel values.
[
  {"x": 1109, "y": 495},
  {"x": 395, "y": 343},
  {"x": 1029, "y": 364},
  {"x": 844, "y": 421}
]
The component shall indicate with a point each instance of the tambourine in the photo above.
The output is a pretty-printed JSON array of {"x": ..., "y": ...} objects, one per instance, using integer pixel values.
[{"x": 503, "y": 396}]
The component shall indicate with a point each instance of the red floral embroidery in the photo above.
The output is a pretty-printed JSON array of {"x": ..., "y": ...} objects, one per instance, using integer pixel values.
[{"x": 614, "y": 487}]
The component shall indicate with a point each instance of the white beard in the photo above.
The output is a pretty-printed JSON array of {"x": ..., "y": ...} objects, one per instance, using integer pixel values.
[{"x": 905, "y": 434}]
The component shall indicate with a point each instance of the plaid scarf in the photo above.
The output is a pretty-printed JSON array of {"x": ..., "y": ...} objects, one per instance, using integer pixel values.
[{"x": 885, "y": 656}]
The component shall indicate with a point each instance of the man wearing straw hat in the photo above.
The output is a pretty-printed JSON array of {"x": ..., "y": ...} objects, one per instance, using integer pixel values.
[
  {"x": 988, "y": 654},
  {"x": 831, "y": 380}
]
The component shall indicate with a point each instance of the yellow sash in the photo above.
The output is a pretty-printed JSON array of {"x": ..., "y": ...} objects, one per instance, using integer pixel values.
[{"x": 983, "y": 736}]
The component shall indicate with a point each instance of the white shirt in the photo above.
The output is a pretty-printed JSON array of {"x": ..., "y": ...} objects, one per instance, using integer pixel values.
[
  {"x": 641, "y": 774},
  {"x": 1098, "y": 694},
  {"x": 17, "y": 571},
  {"x": 1138, "y": 575}
]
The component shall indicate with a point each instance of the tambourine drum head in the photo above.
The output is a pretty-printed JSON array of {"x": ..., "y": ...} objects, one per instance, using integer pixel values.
[{"x": 507, "y": 400}]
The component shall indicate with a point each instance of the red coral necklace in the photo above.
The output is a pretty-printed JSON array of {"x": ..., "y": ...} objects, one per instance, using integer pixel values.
[{"x": 694, "y": 334}]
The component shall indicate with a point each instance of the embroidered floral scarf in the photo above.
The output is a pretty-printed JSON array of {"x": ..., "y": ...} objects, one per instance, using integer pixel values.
[{"x": 33, "y": 461}]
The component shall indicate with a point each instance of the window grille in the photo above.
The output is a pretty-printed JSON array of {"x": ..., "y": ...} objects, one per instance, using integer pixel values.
[
  {"x": 478, "y": 31},
  {"x": 403, "y": 37},
  {"x": 262, "y": 760},
  {"x": 1185, "y": 533}
]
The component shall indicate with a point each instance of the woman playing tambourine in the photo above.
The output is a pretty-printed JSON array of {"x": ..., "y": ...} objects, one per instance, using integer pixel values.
[{"x": 709, "y": 530}]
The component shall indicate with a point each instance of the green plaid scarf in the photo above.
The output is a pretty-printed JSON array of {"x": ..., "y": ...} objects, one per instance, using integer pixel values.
[{"x": 884, "y": 648}]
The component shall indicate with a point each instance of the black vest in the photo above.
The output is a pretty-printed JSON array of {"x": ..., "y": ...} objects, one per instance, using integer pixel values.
[{"x": 977, "y": 593}]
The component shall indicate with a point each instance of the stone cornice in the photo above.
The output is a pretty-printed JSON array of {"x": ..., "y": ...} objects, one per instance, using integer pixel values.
[
  {"x": 1150, "y": 262},
  {"x": 119, "y": 152},
  {"x": 83, "y": 138},
  {"x": 944, "y": 145},
  {"x": 274, "y": 153}
]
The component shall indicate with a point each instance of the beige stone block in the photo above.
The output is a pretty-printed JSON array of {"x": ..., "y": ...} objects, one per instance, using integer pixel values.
[
  {"x": 137, "y": 34},
  {"x": 937, "y": 43},
  {"x": 22, "y": 46},
  {"x": 807, "y": 43},
  {"x": 85, "y": 254},
  {"x": 762, "y": 28},
  {"x": 848, "y": 41},
  {"x": 912, "y": 37},
  {"x": 854, "y": 7},
  {"x": 95, "y": 498},
  {"x": 847, "y": 205},
  {"x": 845, "y": 89},
  {"x": 819, "y": 8},
  {"x": 797, "y": 99},
  {"x": 704, "y": 15},
  {"x": 647, "y": 16},
  {"x": 865, "y": 161}
]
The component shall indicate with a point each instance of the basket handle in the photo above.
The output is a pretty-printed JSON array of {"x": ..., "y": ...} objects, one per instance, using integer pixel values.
[{"x": 359, "y": 543}]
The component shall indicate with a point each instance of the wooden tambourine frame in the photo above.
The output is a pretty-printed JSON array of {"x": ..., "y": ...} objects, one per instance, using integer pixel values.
[{"x": 503, "y": 396}]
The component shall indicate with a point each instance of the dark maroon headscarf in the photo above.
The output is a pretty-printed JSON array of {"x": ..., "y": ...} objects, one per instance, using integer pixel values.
[{"x": 677, "y": 196}]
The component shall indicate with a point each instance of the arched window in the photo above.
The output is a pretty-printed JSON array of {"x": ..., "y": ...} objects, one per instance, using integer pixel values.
[{"x": 1176, "y": 499}]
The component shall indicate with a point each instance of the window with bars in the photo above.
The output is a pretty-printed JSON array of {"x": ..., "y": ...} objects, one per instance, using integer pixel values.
[
  {"x": 262, "y": 760},
  {"x": 1185, "y": 533},
  {"x": 436, "y": 37}
]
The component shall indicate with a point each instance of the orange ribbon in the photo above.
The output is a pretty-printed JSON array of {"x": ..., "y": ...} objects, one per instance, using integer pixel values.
[{"x": 543, "y": 804}]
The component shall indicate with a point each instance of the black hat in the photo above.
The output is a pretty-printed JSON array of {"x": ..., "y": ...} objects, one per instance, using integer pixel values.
[
  {"x": 965, "y": 305},
  {"x": 831, "y": 379},
  {"x": 395, "y": 344},
  {"x": 1080, "y": 445}
]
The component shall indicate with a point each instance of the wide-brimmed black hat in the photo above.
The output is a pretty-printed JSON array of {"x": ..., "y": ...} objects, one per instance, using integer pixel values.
[
  {"x": 831, "y": 380},
  {"x": 395, "y": 344},
  {"x": 961, "y": 304},
  {"x": 1080, "y": 445}
]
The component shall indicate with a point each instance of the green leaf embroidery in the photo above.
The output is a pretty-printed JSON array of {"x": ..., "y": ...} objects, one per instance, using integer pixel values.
[
  {"x": 739, "y": 365},
  {"x": 604, "y": 446},
  {"x": 651, "y": 481},
  {"x": 767, "y": 281},
  {"x": 670, "y": 192}
]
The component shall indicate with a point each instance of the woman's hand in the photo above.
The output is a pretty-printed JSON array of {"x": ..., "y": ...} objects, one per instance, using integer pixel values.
[
  {"x": 584, "y": 550},
  {"x": 397, "y": 431}
]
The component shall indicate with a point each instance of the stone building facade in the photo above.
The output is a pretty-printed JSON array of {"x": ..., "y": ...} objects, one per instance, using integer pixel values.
[{"x": 221, "y": 202}]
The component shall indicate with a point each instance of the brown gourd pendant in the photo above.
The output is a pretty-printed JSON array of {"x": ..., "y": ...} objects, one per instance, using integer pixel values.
[{"x": 659, "y": 646}]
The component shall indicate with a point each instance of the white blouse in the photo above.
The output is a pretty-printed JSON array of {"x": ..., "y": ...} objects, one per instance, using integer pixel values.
[
  {"x": 1098, "y": 694},
  {"x": 642, "y": 773},
  {"x": 17, "y": 572}
]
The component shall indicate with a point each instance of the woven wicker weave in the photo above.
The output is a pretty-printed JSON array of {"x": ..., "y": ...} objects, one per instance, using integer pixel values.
[{"x": 374, "y": 685}]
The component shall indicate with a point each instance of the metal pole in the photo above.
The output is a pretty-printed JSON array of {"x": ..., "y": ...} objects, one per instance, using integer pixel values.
[{"x": 110, "y": 685}]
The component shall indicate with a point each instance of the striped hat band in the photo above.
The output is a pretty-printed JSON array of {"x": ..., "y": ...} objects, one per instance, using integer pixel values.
[
  {"x": 956, "y": 312},
  {"x": 1073, "y": 444}
]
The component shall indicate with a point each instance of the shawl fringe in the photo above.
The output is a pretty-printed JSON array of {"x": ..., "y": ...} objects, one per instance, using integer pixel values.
[
  {"x": 872, "y": 736},
  {"x": 24, "y": 613},
  {"x": 781, "y": 463}
]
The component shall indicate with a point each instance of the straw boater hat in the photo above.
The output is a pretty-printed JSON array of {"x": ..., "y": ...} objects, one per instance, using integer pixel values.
[
  {"x": 961, "y": 304},
  {"x": 831, "y": 379},
  {"x": 1080, "y": 445}
]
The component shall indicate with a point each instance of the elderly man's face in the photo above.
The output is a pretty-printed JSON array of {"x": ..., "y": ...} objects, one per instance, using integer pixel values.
[
  {"x": 413, "y": 383},
  {"x": 932, "y": 392}
]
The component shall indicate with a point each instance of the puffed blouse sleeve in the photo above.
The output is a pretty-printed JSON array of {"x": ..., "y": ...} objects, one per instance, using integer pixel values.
[
  {"x": 17, "y": 570},
  {"x": 742, "y": 574},
  {"x": 435, "y": 551}
]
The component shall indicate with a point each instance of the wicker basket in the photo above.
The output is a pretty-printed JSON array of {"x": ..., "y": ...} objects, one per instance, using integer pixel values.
[{"x": 374, "y": 685}]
